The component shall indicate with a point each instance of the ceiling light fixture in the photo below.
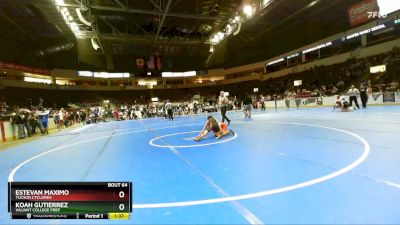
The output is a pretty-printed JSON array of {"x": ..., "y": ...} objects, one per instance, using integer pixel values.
[
  {"x": 248, "y": 10},
  {"x": 81, "y": 18},
  {"x": 233, "y": 25},
  {"x": 95, "y": 44}
]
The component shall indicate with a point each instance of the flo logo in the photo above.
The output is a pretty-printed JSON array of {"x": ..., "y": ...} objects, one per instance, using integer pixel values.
[{"x": 375, "y": 14}]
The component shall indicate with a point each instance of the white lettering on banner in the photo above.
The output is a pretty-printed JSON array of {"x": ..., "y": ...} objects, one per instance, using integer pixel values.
[
  {"x": 362, "y": 8},
  {"x": 379, "y": 27},
  {"x": 276, "y": 61},
  {"x": 375, "y": 14},
  {"x": 317, "y": 47},
  {"x": 292, "y": 56}
]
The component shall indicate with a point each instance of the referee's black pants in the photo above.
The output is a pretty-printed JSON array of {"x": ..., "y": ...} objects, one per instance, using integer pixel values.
[
  {"x": 364, "y": 98},
  {"x": 223, "y": 113},
  {"x": 354, "y": 98},
  {"x": 170, "y": 114}
]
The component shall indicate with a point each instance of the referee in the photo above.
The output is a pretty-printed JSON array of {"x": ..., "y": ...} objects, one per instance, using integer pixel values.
[
  {"x": 353, "y": 93},
  {"x": 223, "y": 104},
  {"x": 170, "y": 113}
]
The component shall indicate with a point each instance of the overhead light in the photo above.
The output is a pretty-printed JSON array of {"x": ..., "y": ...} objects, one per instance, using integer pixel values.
[
  {"x": 234, "y": 24},
  {"x": 237, "y": 18},
  {"x": 248, "y": 10},
  {"x": 313, "y": 3},
  {"x": 59, "y": 2},
  {"x": 214, "y": 39},
  {"x": 265, "y": 3},
  {"x": 95, "y": 45},
  {"x": 228, "y": 29},
  {"x": 74, "y": 26},
  {"x": 81, "y": 18},
  {"x": 237, "y": 31},
  {"x": 220, "y": 35}
]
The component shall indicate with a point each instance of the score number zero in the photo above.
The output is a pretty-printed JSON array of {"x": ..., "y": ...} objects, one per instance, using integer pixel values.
[{"x": 121, "y": 194}]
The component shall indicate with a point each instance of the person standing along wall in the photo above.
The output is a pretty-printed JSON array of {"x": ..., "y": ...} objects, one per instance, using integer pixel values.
[
  {"x": 43, "y": 119},
  {"x": 247, "y": 106},
  {"x": 262, "y": 102}
]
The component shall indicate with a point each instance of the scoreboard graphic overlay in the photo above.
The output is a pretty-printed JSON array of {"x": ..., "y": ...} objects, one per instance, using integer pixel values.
[{"x": 70, "y": 200}]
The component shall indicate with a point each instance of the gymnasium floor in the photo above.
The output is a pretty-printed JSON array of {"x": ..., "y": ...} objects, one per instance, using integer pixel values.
[{"x": 297, "y": 166}]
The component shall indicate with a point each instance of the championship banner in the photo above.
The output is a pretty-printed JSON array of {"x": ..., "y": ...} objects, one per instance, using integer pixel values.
[
  {"x": 22, "y": 68},
  {"x": 358, "y": 13}
]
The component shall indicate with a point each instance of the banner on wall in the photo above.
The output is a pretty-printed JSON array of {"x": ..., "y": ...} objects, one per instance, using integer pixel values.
[
  {"x": 22, "y": 68},
  {"x": 309, "y": 101},
  {"x": 359, "y": 13}
]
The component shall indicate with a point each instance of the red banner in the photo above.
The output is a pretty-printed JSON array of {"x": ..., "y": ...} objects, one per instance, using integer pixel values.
[
  {"x": 22, "y": 68},
  {"x": 361, "y": 12}
]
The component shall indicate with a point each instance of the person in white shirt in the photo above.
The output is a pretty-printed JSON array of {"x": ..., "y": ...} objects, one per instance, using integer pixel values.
[
  {"x": 61, "y": 114},
  {"x": 223, "y": 104},
  {"x": 353, "y": 93}
]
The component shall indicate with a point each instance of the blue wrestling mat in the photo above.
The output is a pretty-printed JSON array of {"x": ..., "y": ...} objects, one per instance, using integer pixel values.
[{"x": 297, "y": 166}]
